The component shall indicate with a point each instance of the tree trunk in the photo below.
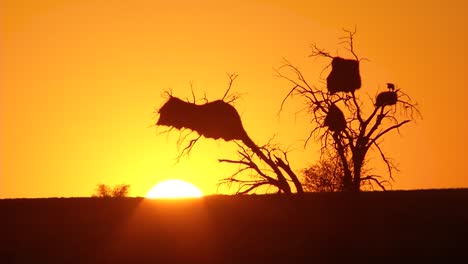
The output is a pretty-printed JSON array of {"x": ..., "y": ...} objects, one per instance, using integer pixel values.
[
  {"x": 291, "y": 174},
  {"x": 281, "y": 179},
  {"x": 347, "y": 177},
  {"x": 358, "y": 161},
  {"x": 357, "y": 177}
]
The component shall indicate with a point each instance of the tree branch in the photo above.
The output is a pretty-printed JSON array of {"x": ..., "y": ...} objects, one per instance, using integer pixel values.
[
  {"x": 250, "y": 165},
  {"x": 388, "y": 163},
  {"x": 372, "y": 178},
  {"x": 350, "y": 41},
  {"x": 377, "y": 123},
  {"x": 291, "y": 174},
  {"x": 372, "y": 141},
  {"x": 358, "y": 108},
  {"x": 232, "y": 77},
  {"x": 252, "y": 187}
]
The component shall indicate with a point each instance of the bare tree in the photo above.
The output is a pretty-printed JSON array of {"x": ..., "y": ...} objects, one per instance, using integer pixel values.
[
  {"x": 351, "y": 133},
  {"x": 266, "y": 165},
  {"x": 219, "y": 120}
]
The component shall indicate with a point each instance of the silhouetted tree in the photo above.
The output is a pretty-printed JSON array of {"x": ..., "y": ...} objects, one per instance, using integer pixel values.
[
  {"x": 324, "y": 176},
  {"x": 121, "y": 190},
  {"x": 339, "y": 115},
  {"x": 105, "y": 191},
  {"x": 102, "y": 191},
  {"x": 266, "y": 165},
  {"x": 327, "y": 175},
  {"x": 343, "y": 123},
  {"x": 219, "y": 119}
]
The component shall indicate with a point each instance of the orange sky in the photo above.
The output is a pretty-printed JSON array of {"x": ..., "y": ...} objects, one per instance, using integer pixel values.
[{"x": 80, "y": 80}]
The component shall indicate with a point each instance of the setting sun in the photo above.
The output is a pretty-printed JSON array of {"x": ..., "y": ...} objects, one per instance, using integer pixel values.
[{"x": 174, "y": 189}]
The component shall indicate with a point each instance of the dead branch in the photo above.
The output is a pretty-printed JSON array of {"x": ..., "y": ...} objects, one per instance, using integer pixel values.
[
  {"x": 194, "y": 100},
  {"x": 388, "y": 163},
  {"x": 358, "y": 107},
  {"x": 249, "y": 164},
  {"x": 188, "y": 148},
  {"x": 232, "y": 77},
  {"x": 349, "y": 39},
  {"x": 372, "y": 141},
  {"x": 316, "y": 51},
  {"x": 374, "y": 179}
]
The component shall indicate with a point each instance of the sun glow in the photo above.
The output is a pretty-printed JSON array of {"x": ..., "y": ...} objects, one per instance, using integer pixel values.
[{"x": 174, "y": 189}]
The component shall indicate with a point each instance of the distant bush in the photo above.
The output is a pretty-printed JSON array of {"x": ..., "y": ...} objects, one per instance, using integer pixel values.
[
  {"x": 105, "y": 191},
  {"x": 121, "y": 190},
  {"x": 324, "y": 176}
]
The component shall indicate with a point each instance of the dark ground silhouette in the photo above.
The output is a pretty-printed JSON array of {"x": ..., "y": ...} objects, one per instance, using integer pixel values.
[{"x": 319, "y": 228}]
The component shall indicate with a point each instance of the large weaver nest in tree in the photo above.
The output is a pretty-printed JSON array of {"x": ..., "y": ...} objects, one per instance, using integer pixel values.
[
  {"x": 216, "y": 119},
  {"x": 386, "y": 98},
  {"x": 344, "y": 76},
  {"x": 335, "y": 119}
]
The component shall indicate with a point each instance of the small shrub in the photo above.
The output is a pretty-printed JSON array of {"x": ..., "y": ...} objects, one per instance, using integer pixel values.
[{"x": 105, "y": 191}]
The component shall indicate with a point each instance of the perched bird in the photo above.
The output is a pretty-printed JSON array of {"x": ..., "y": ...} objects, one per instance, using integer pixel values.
[{"x": 391, "y": 86}]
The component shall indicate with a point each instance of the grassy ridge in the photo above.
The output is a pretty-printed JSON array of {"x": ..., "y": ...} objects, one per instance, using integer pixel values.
[{"x": 327, "y": 227}]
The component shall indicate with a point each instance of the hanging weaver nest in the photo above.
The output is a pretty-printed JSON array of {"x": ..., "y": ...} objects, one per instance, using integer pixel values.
[
  {"x": 344, "y": 76},
  {"x": 335, "y": 119},
  {"x": 386, "y": 98},
  {"x": 216, "y": 119}
]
